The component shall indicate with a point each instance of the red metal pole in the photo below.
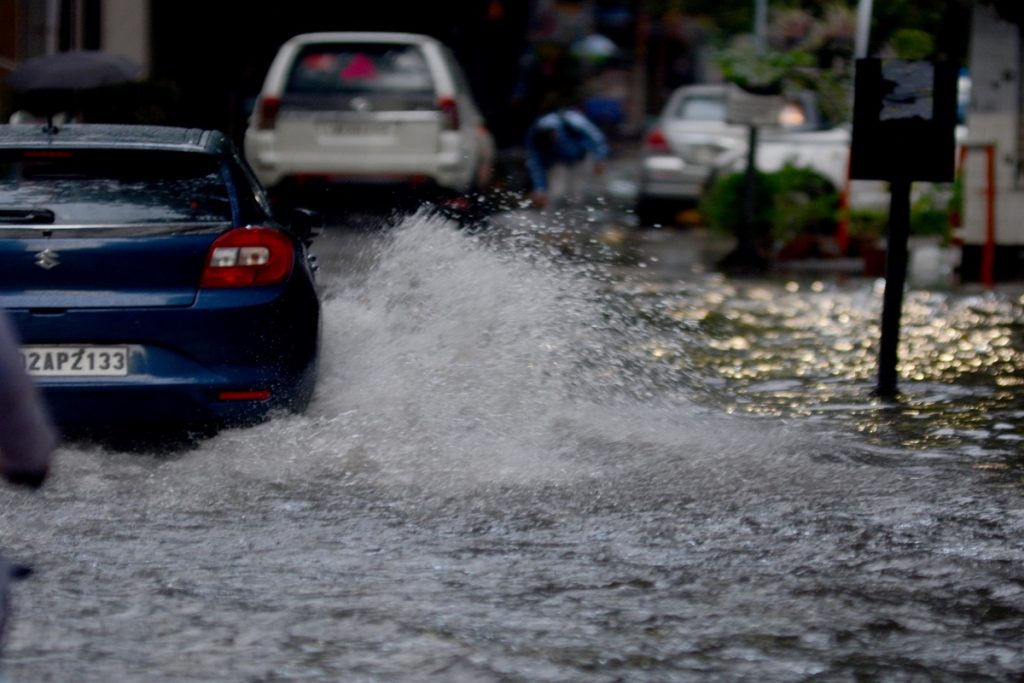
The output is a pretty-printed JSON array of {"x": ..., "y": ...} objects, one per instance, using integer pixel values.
[
  {"x": 988, "y": 250},
  {"x": 956, "y": 218},
  {"x": 843, "y": 224}
]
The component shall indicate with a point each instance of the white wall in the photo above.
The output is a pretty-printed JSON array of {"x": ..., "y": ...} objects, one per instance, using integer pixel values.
[
  {"x": 126, "y": 29},
  {"x": 993, "y": 118}
]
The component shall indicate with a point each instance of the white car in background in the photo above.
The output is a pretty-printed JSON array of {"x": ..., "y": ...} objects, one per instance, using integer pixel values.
[
  {"x": 368, "y": 109},
  {"x": 691, "y": 143}
]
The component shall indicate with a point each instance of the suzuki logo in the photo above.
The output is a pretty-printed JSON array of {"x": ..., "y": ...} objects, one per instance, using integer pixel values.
[{"x": 47, "y": 259}]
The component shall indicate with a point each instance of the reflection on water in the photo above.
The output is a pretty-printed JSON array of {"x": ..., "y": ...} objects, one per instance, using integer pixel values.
[
  {"x": 809, "y": 349},
  {"x": 537, "y": 457}
]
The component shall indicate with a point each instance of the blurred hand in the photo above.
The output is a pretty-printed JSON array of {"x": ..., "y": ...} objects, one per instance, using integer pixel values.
[
  {"x": 27, "y": 437},
  {"x": 539, "y": 199}
]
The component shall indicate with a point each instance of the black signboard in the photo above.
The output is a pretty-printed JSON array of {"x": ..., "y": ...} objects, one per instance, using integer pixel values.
[{"x": 904, "y": 121}]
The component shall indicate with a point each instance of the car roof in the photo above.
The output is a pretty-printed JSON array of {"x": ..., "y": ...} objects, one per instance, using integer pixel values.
[
  {"x": 363, "y": 37},
  {"x": 114, "y": 136},
  {"x": 701, "y": 89}
]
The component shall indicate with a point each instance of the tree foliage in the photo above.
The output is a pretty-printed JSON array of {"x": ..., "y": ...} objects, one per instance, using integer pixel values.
[
  {"x": 761, "y": 72},
  {"x": 944, "y": 19}
]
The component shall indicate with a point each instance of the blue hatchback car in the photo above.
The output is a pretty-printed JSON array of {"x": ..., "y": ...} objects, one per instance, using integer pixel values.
[{"x": 149, "y": 280}]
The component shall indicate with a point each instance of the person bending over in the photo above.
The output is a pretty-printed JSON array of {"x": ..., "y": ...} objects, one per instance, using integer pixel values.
[{"x": 564, "y": 149}]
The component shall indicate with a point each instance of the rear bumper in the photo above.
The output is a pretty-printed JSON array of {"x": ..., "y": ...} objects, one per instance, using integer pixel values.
[
  {"x": 358, "y": 192},
  {"x": 174, "y": 401},
  {"x": 181, "y": 359},
  {"x": 669, "y": 177},
  {"x": 449, "y": 167}
]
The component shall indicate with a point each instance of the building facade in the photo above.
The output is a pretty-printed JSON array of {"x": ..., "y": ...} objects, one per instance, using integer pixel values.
[
  {"x": 993, "y": 220},
  {"x": 37, "y": 27},
  {"x": 30, "y": 28}
]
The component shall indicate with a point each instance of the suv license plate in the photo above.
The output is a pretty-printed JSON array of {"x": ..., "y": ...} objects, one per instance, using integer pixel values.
[
  {"x": 75, "y": 361},
  {"x": 358, "y": 130}
]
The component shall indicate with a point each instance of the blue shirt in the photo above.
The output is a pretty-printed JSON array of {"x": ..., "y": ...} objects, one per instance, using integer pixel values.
[{"x": 573, "y": 137}]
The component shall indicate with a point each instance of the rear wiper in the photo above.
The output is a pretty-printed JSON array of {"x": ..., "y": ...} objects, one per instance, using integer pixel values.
[{"x": 27, "y": 216}]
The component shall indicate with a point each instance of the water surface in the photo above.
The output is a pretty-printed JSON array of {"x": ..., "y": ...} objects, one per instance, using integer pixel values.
[{"x": 537, "y": 457}]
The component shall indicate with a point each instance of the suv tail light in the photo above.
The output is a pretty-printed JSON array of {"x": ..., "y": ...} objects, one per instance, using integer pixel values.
[
  {"x": 657, "y": 142},
  {"x": 266, "y": 112},
  {"x": 449, "y": 113},
  {"x": 248, "y": 257}
]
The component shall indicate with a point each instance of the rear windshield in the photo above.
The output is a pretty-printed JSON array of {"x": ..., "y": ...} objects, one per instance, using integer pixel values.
[
  {"x": 701, "y": 108},
  {"x": 793, "y": 114},
  {"x": 104, "y": 187},
  {"x": 360, "y": 69}
]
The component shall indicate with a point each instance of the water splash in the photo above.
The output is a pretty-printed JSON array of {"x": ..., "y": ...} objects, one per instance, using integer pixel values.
[{"x": 454, "y": 360}]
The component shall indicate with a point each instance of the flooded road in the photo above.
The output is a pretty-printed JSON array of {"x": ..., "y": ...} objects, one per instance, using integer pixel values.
[{"x": 540, "y": 454}]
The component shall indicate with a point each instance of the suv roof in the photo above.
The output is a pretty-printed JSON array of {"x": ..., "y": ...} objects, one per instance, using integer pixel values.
[
  {"x": 97, "y": 135},
  {"x": 363, "y": 36}
]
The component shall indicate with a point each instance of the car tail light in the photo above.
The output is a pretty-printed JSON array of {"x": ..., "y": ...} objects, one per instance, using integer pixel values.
[
  {"x": 266, "y": 112},
  {"x": 257, "y": 395},
  {"x": 449, "y": 112},
  {"x": 248, "y": 257},
  {"x": 656, "y": 141}
]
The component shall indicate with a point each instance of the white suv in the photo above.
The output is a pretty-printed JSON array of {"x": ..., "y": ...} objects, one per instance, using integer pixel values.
[{"x": 391, "y": 109}]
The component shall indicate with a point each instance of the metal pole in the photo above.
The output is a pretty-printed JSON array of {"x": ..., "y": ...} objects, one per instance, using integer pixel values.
[
  {"x": 863, "y": 29},
  {"x": 747, "y": 257},
  {"x": 746, "y": 236},
  {"x": 988, "y": 250},
  {"x": 895, "y": 279},
  {"x": 760, "y": 25},
  {"x": 748, "y": 247}
]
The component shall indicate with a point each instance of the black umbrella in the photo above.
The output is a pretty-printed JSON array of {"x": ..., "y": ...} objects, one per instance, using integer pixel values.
[
  {"x": 52, "y": 83},
  {"x": 73, "y": 71}
]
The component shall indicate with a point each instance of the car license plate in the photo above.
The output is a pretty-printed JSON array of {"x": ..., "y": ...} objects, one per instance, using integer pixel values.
[
  {"x": 354, "y": 129},
  {"x": 75, "y": 361}
]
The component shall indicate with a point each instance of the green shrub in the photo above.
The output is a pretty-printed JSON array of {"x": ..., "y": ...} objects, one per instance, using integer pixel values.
[
  {"x": 804, "y": 201},
  {"x": 722, "y": 205},
  {"x": 911, "y": 43},
  {"x": 930, "y": 213},
  {"x": 790, "y": 201},
  {"x": 796, "y": 200},
  {"x": 867, "y": 223}
]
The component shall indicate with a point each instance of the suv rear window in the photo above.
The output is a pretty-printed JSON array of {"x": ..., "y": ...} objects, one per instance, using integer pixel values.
[
  {"x": 359, "y": 69},
  {"x": 701, "y": 108},
  {"x": 101, "y": 187}
]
